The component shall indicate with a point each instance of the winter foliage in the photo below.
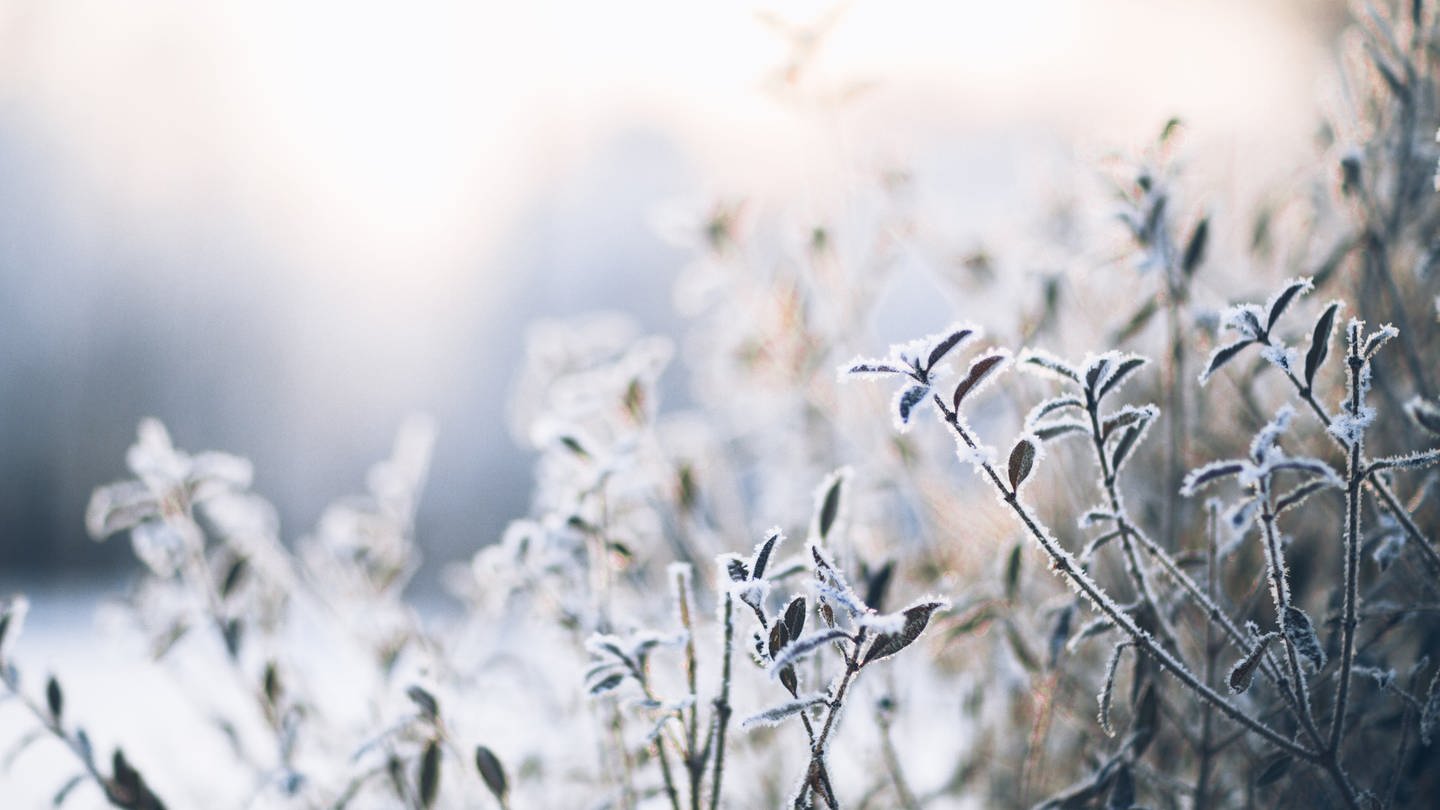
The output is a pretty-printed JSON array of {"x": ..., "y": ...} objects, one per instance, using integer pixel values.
[{"x": 909, "y": 579}]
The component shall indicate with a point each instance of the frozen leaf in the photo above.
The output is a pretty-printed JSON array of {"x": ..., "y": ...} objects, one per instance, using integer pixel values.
[
  {"x": 1107, "y": 687},
  {"x": 1297, "y": 496},
  {"x": 776, "y": 715},
  {"x": 1302, "y": 637},
  {"x": 160, "y": 545},
  {"x": 1281, "y": 300},
  {"x": 1022, "y": 461},
  {"x": 905, "y": 402},
  {"x": 1208, "y": 474},
  {"x": 1313, "y": 467},
  {"x": 763, "y": 550},
  {"x": 1377, "y": 339},
  {"x": 1125, "y": 417},
  {"x": 1054, "y": 430},
  {"x": 916, "y": 618},
  {"x": 980, "y": 370},
  {"x": 1244, "y": 670},
  {"x": 1425, "y": 413},
  {"x": 1411, "y": 461},
  {"x": 1098, "y": 369},
  {"x": 872, "y": 368},
  {"x": 953, "y": 338},
  {"x": 492, "y": 772},
  {"x": 803, "y": 647},
  {"x": 795, "y": 617},
  {"x": 1036, "y": 361},
  {"x": 1052, "y": 405},
  {"x": 1221, "y": 356},
  {"x": 1320, "y": 343},
  {"x": 1127, "y": 442},
  {"x": 118, "y": 507},
  {"x": 1124, "y": 369},
  {"x": 779, "y": 637},
  {"x": 735, "y": 567}
]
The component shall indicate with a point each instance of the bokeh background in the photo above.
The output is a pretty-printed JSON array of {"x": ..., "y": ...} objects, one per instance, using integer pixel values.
[{"x": 282, "y": 226}]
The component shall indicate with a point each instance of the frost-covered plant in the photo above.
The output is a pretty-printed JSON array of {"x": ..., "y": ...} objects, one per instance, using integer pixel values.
[
  {"x": 1144, "y": 624},
  {"x": 1272, "y": 646}
]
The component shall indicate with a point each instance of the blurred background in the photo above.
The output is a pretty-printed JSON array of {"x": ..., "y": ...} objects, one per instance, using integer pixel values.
[{"x": 281, "y": 226}]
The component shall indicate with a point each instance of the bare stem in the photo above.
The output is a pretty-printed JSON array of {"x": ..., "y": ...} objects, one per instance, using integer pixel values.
[
  {"x": 1354, "y": 475},
  {"x": 722, "y": 704},
  {"x": 1207, "y": 712},
  {"x": 694, "y": 764}
]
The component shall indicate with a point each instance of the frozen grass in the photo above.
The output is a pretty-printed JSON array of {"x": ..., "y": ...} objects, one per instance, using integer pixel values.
[{"x": 1003, "y": 590}]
